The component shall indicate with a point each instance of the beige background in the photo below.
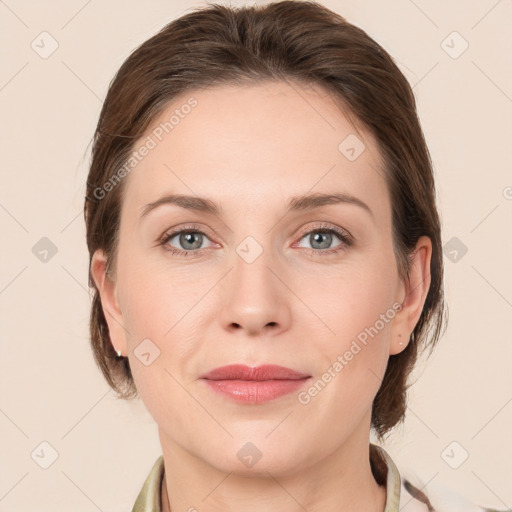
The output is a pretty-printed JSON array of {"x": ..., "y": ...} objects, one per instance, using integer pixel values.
[{"x": 51, "y": 390}]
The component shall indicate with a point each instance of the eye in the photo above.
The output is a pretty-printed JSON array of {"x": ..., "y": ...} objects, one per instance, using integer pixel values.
[
  {"x": 190, "y": 239},
  {"x": 321, "y": 238}
]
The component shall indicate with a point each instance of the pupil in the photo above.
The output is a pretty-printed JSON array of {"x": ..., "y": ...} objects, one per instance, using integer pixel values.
[
  {"x": 189, "y": 238},
  {"x": 326, "y": 236}
]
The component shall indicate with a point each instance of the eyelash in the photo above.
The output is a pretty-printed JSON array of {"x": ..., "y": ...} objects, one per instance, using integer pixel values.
[{"x": 345, "y": 238}]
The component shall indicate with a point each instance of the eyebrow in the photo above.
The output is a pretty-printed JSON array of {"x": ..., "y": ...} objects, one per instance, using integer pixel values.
[{"x": 296, "y": 203}]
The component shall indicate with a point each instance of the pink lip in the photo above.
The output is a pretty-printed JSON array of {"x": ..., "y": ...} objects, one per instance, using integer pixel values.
[
  {"x": 258, "y": 373},
  {"x": 254, "y": 385}
]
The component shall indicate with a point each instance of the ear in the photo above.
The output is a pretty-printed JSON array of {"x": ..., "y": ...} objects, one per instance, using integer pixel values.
[
  {"x": 108, "y": 293},
  {"x": 412, "y": 295}
]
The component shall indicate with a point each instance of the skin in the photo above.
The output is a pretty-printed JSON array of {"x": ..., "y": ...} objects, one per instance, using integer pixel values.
[{"x": 249, "y": 149}]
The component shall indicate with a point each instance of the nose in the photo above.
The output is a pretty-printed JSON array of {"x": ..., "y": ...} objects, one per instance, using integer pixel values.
[{"x": 256, "y": 301}]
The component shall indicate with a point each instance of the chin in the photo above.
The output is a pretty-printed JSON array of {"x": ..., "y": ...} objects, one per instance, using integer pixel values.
[{"x": 251, "y": 461}]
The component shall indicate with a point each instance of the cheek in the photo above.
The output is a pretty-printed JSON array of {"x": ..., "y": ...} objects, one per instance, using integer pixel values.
[
  {"x": 151, "y": 298},
  {"x": 358, "y": 308},
  {"x": 160, "y": 320},
  {"x": 351, "y": 298}
]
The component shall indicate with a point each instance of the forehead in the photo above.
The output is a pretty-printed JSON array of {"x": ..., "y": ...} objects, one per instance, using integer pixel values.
[{"x": 246, "y": 144}]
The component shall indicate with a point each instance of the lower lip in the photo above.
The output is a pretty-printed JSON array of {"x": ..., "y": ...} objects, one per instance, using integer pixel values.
[{"x": 255, "y": 392}]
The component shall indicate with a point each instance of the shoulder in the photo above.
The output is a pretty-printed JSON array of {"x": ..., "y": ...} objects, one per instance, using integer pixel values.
[
  {"x": 407, "y": 493},
  {"x": 434, "y": 497},
  {"x": 148, "y": 499}
]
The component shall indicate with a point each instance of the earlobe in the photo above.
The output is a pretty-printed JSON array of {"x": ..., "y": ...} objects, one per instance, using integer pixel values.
[
  {"x": 398, "y": 344},
  {"x": 107, "y": 288},
  {"x": 416, "y": 290}
]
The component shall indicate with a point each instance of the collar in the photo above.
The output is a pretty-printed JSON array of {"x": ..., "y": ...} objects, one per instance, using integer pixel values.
[{"x": 383, "y": 469}]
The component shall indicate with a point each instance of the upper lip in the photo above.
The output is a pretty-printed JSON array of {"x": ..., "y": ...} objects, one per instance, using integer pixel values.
[{"x": 257, "y": 373}]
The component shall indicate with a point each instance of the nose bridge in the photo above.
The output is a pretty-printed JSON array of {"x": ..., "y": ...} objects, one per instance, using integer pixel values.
[
  {"x": 251, "y": 266},
  {"x": 254, "y": 297}
]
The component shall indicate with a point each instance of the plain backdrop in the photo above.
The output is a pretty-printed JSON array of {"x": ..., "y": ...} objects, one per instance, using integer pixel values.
[{"x": 56, "y": 410}]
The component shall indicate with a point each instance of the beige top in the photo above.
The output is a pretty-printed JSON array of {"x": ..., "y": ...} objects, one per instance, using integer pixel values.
[{"x": 383, "y": 468}]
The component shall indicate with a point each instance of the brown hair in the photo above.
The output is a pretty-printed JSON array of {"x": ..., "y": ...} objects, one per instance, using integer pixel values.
[{"x": 288, "y": 40}]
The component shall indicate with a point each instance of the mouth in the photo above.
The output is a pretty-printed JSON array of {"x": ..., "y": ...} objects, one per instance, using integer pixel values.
[{"x": 254, "y": 385}]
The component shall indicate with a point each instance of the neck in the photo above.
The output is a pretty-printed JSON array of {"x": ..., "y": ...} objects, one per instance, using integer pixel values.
[{"x": 341, "y": 482}]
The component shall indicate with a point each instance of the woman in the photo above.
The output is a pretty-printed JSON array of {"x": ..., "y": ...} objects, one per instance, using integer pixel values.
[{"x": 265, "y": 256}]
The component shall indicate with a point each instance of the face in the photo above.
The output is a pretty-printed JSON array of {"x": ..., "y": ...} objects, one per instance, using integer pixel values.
[{"x": 265, "y": 279}]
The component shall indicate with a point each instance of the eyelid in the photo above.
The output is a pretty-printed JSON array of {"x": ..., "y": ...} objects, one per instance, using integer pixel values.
[
  {"x": 343, "y": 233},
  {"x": 172, "y": 232},
  {"x": 184, "y": 227},
  {"x": 346, "y": 238}
]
